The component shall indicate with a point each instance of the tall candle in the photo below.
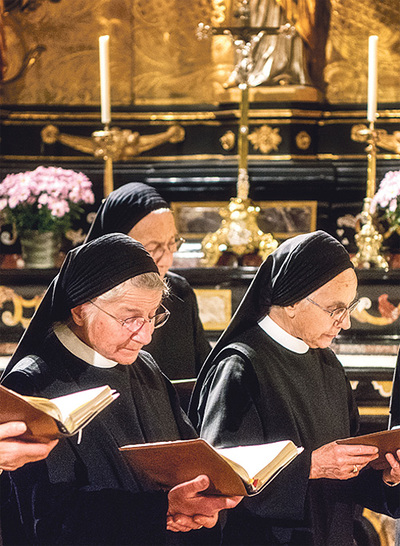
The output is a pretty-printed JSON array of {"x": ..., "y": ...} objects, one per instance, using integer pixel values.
[
  {"x": 105, "y": 79},
  {"x": 372, "y": 77}
]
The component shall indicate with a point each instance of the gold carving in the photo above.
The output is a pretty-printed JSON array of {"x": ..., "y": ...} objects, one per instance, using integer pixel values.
[
  {"x": 383, "y": 387},
  {"x": 16, "y": 317},
  {"x": 125, "y": 143},
  {"x": 265, "y": 139},
  {"x": 228, "y": 140},
  {"x": 359, "y": 133},
  {"x": 388, "y": 312},
  {"x": 303, "y": 140},
  {"x": 346, "y": 71}
]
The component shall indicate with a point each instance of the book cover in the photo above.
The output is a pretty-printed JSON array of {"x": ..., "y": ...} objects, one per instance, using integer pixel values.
[
  {"x": 241, "y": 470},
  {"x": 388, "y": 441}
]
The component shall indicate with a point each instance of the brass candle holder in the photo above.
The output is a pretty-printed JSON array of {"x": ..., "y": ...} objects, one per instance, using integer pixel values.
[
  {"x": 368, "y": 239},
  {"x": 109, "y": 145}
]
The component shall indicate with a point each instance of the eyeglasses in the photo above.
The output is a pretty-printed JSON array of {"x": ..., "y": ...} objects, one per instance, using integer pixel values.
[
  {"x": 339, "y": 313},
  {"x": 158, "y": 250},
  {"x": 135, "y": 324}
]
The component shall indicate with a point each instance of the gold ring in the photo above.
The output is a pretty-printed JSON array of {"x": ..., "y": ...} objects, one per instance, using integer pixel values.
[{"x": 355, "y": 469}]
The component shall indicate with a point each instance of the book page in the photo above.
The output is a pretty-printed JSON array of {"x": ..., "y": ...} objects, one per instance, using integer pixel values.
[
  {"x": 45, "y": 405},
  {"x": 71, "y": 403},
  {"x": 254, "y": 458}
]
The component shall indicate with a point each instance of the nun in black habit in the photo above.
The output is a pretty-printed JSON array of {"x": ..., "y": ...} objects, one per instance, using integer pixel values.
[
  {"x": 84, "y": 492},
  {"x": 260, "y": 384},
  {"x": 180, "y": 347}
]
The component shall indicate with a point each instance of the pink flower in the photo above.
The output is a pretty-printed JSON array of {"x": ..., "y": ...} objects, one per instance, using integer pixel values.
[{"x": 51, "y": 189}]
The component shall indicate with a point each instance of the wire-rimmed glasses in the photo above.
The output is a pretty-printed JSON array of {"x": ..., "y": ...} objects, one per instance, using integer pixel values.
[
  {"x": 158, "y": 250},
  {"x": 339, "y": 313},
  {"x": 135, "y": 324}
]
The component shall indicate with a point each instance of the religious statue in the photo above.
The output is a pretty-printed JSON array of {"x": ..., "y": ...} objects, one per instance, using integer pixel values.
[{"x": 295, "y": 58}]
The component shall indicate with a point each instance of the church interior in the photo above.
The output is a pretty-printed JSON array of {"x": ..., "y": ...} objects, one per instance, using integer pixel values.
[{"x": 255, "y": 121}]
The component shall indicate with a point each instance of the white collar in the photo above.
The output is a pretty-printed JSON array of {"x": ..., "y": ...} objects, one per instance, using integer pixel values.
[
  {"x": 80, "y": 349},
  {"x": 282, "y": 337}
]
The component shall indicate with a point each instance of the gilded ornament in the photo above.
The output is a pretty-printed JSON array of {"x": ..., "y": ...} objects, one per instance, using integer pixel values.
[
  {"x": 16, "y": 317},
  {"x": 265, "y": 139},
  {"x": 228, "y": 140},
  {"x": 303, "y": 140}
]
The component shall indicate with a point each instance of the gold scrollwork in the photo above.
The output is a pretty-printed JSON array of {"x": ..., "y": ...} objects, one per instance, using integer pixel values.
[
  {"x": 383, "y": 387},
  {"x": 16, "y": 317},
  {"x": 265, "y": 139},
  {"x": 362, "y": 315}
]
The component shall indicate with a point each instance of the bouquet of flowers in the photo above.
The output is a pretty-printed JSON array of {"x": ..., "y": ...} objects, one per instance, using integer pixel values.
[
  {"x": 386, "y": 201},
  {"x": 46, "y": 199}
]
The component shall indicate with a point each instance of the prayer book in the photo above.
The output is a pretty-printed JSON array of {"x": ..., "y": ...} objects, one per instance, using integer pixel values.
[
  {"x": 56, "y": 417},
  {"x": 388, "y": 441},
  {"x": 240, "y": 470}
]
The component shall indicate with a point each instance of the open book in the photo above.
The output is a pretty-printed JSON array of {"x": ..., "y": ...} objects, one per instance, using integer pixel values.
[
  {"x": 49, "y": 419},
  {"x": 242, "y": 470},
  {"x": 388, "y": 441}
]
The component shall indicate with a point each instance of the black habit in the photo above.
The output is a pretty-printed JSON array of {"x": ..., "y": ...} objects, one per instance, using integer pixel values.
[
  {"x": 180, "y": 347},
  {"x": 252, "y": 389},
  {"x": 84, "y": 492}
]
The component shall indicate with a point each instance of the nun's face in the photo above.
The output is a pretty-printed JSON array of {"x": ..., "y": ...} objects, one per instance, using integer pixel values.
[
  {"x": 157, "y": 233},
  {"x": 314, "y": 325},
  {"x": 101, "y": 324}
]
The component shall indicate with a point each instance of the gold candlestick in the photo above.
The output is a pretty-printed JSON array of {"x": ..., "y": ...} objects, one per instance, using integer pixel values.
[
  {"x": 368, "y": 239},
  {"x": 239, "y": 232}
]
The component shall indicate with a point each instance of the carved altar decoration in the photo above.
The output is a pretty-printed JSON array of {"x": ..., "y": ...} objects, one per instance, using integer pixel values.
[
  {"x": 388, "y": 313},
  {"x": 17, "y": 315},
  {"x": 113, "y": 144}
]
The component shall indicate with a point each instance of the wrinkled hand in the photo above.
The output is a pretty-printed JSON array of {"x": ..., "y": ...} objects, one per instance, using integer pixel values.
[
  {"x": 188, "y": 509},
  {"x": 340, "y": 462},
  {"x": 14, "y": 453},
  {"x": 392, "y": 475}
]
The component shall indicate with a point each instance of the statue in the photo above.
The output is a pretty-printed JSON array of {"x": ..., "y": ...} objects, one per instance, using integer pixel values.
[{"x": 296, "y": 58}]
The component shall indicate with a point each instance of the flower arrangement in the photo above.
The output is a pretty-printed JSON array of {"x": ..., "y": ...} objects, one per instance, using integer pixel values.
[
  {"x": 47, "y": 199},
  {"x": 386, "y": 201}
]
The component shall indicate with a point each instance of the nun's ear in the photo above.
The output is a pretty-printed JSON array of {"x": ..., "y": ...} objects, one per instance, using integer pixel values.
[
  {"x": 291, "y": 310},
  {"x": 78, "y": 315}
]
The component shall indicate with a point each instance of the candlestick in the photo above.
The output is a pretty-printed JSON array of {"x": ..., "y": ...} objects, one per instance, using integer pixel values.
[
  {"x": 105, "y": 79},
  {"x": 372, "y": 77}
]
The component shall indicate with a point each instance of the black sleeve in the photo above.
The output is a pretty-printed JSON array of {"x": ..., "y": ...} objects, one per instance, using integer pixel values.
[
  {"x": 231, "y": 418},
  {"x": 64, "y": 513},
  {"x": 75, "y": 498},
  {"x": 371, "y": 491}
]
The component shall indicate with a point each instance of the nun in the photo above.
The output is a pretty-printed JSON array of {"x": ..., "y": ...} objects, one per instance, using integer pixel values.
[
  {"x": 272, "y": 376},
  {"x": 139, "y": 211},
  {"x": 89, "y": 330}
]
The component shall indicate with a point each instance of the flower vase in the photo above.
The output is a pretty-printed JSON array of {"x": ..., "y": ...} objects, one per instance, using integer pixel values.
[{"x": 40, "y": 250}]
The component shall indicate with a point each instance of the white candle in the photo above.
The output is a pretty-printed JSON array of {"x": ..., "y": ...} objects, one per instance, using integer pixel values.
[
  {"x": 105, "y": 79},
  {"x": 372, "y": 77}
]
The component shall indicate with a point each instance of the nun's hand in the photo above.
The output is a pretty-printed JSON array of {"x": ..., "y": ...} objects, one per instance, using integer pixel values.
[
  {"x": 340, "y": 462},
  {"x": 391, "y": 476},
  {"x": 188, "y": 509},
  {"x": 14, "y": 452}
]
